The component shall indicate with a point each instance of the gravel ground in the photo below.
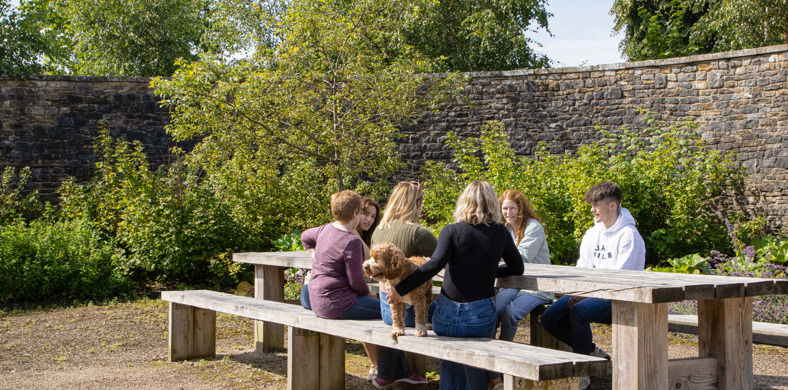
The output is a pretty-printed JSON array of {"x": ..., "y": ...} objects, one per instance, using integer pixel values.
[{"x": 124, "y": 346}]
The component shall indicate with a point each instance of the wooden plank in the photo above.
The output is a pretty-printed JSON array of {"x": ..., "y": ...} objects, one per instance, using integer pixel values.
[
  {"x": 332, "y": 362},
  {"x": 303, "y": 359},
  {"x": 587, "y": 287},
  {"x": 204, "y": 333},
  {"x": 762, "y": 332},
  {"x": 279, "y": 259},
  {"x": 692, "y": 373},
  {"x": 512, "y": 383},
  {"x": 515, "y": 359},
  {"x": 725, "y": 332},
  {"x": 640, "y": 345},
  {"x": 269, "y": 285},
  {"x": 180, "y": 332}
]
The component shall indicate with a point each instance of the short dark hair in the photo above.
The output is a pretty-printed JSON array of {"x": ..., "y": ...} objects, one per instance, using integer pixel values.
[{"x": 606, "y": 190}]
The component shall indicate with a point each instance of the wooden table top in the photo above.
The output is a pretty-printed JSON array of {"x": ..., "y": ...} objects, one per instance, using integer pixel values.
[{"x": 630, "y": 286}]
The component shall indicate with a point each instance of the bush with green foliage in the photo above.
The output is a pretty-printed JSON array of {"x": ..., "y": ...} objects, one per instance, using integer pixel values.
[
  {"x": 669, "y": 179},
  {"x": 49, "y": 260},
  {"x": 170, "y": 225}
]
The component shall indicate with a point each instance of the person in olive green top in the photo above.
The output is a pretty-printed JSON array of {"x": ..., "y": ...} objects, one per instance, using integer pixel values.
[{"x": 400, "y": 226}]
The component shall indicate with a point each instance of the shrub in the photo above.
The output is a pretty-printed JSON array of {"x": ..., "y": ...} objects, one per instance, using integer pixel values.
[
  {"x": 13, "y": 204},
  {"x": 669, "y": 178},
  {"x": 170, "y": 224},
  {"x": 58, "y": 260}
]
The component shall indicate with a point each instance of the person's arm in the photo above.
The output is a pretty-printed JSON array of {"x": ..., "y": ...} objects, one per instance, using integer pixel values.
[
  {"x": 533, "y": 239},
  {"x": 585, "y": 260},
  {"x": 630, "y": 255},
  {"x": 513, "y": 262},
  {"x": 309, "y": 237},
  {"x": 354, "y": 257},
  {"x": 443, "y": 252}
]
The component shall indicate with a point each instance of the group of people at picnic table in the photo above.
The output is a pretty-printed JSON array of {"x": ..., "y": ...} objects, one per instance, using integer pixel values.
[{"x": 487, "y": 229}]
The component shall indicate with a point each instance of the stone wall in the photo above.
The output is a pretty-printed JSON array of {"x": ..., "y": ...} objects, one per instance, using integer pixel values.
[
  {"x": 49, "y": 123},
  {"x": 738, "y": 99}
]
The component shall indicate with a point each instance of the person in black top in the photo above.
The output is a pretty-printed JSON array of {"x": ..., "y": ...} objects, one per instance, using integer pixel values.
[{"x": 470, "y": 251}]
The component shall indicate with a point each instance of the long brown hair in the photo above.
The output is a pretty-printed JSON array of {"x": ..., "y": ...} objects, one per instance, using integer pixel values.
[
  {"x": 477, "y": 204},
  {"x": 525, "y": 211},
  {"x": 366, "y": 235}
]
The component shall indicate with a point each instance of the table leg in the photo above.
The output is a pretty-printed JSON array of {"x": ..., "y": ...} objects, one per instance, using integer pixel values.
[
  {"x": 269, "y": 284},
  {"x": 640, "y": 345},
  {"x": 725, "y": 332}
]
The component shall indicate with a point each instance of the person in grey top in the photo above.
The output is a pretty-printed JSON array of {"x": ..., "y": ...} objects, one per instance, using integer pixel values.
[{"x": 523, "y": 223}]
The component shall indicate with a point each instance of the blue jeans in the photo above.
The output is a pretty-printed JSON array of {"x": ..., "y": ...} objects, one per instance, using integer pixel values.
[
  {"x": 511, "y": 309},
  {"x": 470, "y": 319},
  {"x": 365, "y": 307},
  {"x": 410, "y": 313},
  {"x": 573, "y": 326}
]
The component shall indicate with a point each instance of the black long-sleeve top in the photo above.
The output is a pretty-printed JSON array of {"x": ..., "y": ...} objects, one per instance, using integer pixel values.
[{"x": 471, "y": 254}]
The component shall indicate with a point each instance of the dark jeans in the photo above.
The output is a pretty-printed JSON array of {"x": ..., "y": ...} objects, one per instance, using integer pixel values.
[{"x": 573, "y": 326}]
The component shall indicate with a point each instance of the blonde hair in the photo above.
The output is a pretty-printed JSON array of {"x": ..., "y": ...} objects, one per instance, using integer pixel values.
[
  {"x": 525, "y": 212},
  {"x": 403, "y": 205},
  {"x": 345, "y": 205},
  {"x": 478, "y": 204}
]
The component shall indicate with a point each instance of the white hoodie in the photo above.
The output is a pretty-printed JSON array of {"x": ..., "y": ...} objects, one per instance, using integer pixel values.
[{"x": 617, "y": 247}]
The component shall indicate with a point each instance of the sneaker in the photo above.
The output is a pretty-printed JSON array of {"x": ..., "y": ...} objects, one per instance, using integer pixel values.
[
  {"x": 373, "y": 372},
  {"x": 382, "y": 383},
  {"x": 410, "y": 381},
  {"x": 585, "y": 383},
  {"x": 600, "y": 353}
]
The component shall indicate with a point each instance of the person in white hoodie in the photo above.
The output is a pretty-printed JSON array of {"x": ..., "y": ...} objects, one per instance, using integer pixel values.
[{"x": 612, "y": 243}]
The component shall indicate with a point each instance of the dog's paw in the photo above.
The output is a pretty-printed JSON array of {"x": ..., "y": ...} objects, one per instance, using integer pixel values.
[
  {"x": 421, "y": 330},
  {"x": 397, "y": 332}
]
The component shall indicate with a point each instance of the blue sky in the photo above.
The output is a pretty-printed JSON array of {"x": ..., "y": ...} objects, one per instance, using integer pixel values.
[{"x": 581, "y": 33}]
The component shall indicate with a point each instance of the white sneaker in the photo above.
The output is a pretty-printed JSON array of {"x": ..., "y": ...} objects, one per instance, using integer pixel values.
[
  {"x": 585, "y": 383},
  {"x": 373, "y": 372}
]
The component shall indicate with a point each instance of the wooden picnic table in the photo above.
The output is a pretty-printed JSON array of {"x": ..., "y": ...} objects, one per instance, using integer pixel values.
[{"x": 640, "y": 317}]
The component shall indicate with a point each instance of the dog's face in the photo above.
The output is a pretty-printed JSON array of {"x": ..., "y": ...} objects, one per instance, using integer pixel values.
[{"x": 386, "y": 262}]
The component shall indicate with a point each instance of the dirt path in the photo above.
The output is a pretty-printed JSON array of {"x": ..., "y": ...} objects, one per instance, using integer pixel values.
[{"x": 124, "y": 346}]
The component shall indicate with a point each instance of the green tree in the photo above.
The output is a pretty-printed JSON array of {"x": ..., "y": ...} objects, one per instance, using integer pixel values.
[
  {"x": 131, "y": 37},
  {"x": 479, "y": 35},
  {"x": 318, "y": 113},
  {"x": 21, "y": 44},
  {"x": 669, "y": 28}
]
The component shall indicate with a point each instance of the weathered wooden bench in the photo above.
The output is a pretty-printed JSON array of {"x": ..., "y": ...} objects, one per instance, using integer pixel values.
[
  {"x": 762, "y": 332},
  {"x": 316, "y": 345}
]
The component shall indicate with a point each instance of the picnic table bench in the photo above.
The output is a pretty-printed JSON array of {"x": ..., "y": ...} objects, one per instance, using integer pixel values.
[
  {"x": 640, "y": 317},
  {"x": 316, "y": 346}
]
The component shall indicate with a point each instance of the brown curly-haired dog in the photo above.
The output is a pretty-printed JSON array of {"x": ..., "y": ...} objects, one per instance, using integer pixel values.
[{"x": 388, "y": 263}]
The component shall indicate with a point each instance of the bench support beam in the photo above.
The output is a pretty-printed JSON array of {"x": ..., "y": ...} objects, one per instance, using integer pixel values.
[
  {"x": 640, "y": 337},
  {"x": 192, "y": 332},
  {"x": 315, "y": 360},
  {"x": 693, "y": 373},
  {"x": 269, "y": 285},
  {"x": 512, "y": 383},
  {"x": 725, "y": 332}
]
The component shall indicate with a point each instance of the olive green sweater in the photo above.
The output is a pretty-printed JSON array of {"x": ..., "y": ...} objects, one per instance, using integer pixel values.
[{"x": 411, "y": 239}]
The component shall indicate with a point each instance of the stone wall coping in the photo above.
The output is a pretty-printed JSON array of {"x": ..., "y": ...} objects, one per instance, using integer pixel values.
[
  {"x": 628, "y": 65},
  {"x": 505, "y": 73}
]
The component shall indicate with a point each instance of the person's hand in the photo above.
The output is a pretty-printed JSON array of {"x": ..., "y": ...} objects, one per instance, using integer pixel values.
[
  {"x": 574, "y": 300},
  {"x": 311, "y": 253},
  {"x": 393, "y": 296}
]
